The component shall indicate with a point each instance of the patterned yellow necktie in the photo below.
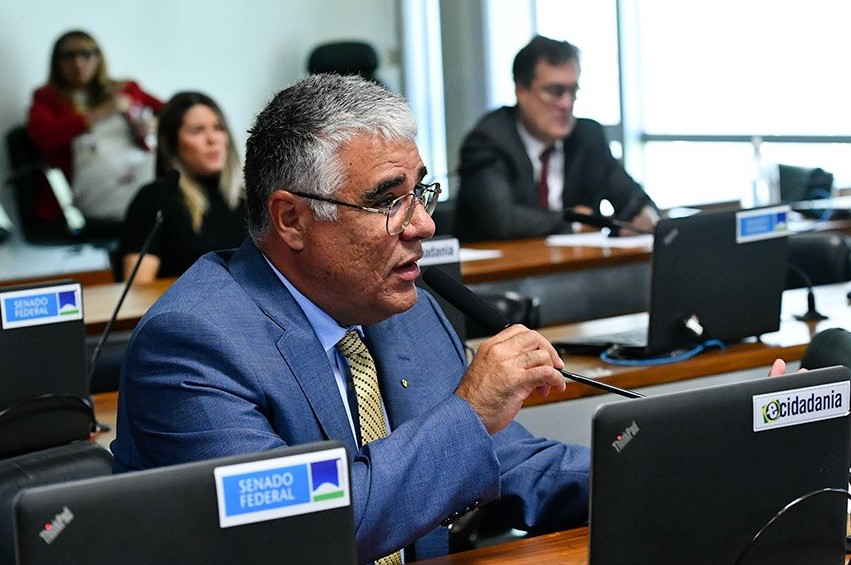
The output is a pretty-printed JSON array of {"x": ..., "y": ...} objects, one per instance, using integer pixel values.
[{"x": 370, "y": 413}]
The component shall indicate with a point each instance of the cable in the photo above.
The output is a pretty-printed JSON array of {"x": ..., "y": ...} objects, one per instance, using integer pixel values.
[
  {"x": 789, "y": 506},
  {"x": 608, "y": 355}
]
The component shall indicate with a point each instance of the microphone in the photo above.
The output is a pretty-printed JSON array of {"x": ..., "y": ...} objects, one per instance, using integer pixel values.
[
  {"x": 811, "y": 314},
  {"x": 495, "y": 321},
  {"x": 598, "y": 221}
]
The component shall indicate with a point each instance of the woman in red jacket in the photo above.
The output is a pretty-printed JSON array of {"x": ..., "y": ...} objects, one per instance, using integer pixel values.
[{"x": 97, "y": 130}]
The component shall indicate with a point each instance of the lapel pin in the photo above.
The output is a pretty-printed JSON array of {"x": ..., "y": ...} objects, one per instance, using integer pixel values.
[{"x": 405, "y": 383}]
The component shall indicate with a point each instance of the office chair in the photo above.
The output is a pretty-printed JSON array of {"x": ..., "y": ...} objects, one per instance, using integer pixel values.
[
  {"x": 805, "y": 183},
  {"x": 43, "y": 422},
  {"x": 344, "y": 58},
  {"x": 29, "y": 175},
  {"x": 26, "y": 165},
  {"x": 76, "y": 460},
  {"x": 822, "y": 257},
  {"x": 828, "y": 348},
  {"x": 444, "y": 218}
]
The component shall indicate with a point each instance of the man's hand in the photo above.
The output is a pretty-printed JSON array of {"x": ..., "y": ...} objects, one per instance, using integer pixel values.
[
  {"x": 646, "y": 218},
  {"x": 505, "y": 370},
  {"x": 777, "y": 368}
]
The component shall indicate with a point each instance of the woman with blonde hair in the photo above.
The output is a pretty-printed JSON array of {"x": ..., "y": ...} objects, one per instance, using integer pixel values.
[
  {"x": 204, "y": 210},
  {"x": 96, "y": 129}
]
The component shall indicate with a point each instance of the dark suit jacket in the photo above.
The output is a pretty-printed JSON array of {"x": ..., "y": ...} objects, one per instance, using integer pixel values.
[
  {"x": 226, "y": 363},
  {"x": 498, "y": 195}
]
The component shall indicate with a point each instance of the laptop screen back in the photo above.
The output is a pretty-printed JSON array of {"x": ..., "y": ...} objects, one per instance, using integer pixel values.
[
  {"x": 42, "y": 341},
  {"x": 691, "y": 477},
  {"x": 285, "y": 506},
  {"x": 704, "y": 267}
]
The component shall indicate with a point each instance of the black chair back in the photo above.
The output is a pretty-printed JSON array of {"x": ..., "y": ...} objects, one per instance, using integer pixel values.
[
  {"x": 821, "y": 257},
  {"x": 46, "y": 421},
  {"x": 344, "y": 58},
  {"x": 77, "y": 460},
  {"x": 828, "y": 348}
]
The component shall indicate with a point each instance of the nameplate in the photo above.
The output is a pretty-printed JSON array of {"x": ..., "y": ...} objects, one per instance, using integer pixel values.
[
  {"x": 762, "y": 223},
  {"x": 42, "y": 305},
  {"x": 800, "y": 405},
  {"x": 440, "y": 251},
  {"x": 284, "y": 486}
]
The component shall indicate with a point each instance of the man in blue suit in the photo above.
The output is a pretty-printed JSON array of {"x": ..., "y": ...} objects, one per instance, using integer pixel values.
[{"x": 239, "y": 355}]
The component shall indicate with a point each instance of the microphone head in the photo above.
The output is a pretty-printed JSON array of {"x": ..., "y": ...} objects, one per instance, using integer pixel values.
[
  {"x": 465, "y": 300},
  {"x": 587, "y": 219}
]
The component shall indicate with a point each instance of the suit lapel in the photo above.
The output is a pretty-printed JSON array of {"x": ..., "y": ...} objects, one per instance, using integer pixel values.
[
  {"x": 399, "y": 376},
  {"x": 301, "y": 352},
  {"x": 525, "y": 174}
]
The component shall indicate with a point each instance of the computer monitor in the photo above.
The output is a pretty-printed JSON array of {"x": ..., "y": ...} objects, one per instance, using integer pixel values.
[
  {"x": 692, "y": 477},
  {"x": 290, "y": 505},
  {"x": 715, "y": 275}
]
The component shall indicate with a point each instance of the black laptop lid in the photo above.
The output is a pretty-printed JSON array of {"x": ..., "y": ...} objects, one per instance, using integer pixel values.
[
  {"x": 285, "y": 506},
  {"x": 691, "y": 477},
  {"x": 726, "y": 269},
  {"x": 42, "y": 341}
]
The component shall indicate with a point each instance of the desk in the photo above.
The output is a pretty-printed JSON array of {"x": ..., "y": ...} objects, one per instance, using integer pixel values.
[
  {"x": 611, "y": 280},
  {"x": 99, "y": 302},
  {"x": 788, "y": 343},
  {"x": 21, "y": 261},
  {"x": 533, "y": 257},
  {"x": 565, "y": 548}
]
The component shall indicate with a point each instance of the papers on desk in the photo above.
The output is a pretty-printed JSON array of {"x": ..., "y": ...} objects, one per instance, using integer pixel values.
[
  {"x": 600, "y": 239},
  {"x": 20, "y": 259},
  {"x": 468, "y": 254}
]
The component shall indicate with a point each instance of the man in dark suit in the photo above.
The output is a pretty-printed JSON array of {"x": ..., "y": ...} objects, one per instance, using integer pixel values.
[
  {"x": 245, "y": 352},
  {"x": 503, "y": 193}
]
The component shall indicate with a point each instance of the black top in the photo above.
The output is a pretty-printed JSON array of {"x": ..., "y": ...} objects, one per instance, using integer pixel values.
[{"x": 176, "y": 244}]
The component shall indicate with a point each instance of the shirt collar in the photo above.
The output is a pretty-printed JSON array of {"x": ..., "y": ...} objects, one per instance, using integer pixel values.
[{"x": 533, "y": 145}]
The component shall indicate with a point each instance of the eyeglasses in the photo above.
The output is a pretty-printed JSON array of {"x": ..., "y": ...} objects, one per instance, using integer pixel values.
[
  {"x": 555, "y": 92},
  {"x": 72, "y": 54},
  {"x": 399, "y": 211}
]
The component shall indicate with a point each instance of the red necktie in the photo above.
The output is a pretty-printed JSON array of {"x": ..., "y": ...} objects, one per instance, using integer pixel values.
[{"x": 543, "y": 189}]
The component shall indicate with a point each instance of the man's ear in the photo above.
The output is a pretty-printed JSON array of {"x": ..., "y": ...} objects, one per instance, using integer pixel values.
[{"x": 289, "y": 215}]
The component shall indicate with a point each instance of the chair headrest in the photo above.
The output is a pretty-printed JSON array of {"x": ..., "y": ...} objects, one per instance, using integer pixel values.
[
  {"x": 828, "y": 348},
  {"x": 345, "y": 58}
]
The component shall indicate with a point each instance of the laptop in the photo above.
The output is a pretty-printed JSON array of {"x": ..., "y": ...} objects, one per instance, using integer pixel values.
[
  {"x": 42, "y": 342},
  {"x": 290, "y": 505},
  {"x": 714, "y": 275},
  {"x": 692, "y": 477}
]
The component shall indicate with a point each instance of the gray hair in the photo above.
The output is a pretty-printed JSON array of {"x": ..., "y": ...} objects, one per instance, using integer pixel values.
[{"x": 295, "y": 139}]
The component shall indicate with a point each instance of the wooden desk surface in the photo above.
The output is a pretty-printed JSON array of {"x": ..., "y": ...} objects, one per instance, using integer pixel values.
[
  {"x": 99, "y": 302},
  {"x": 533, "y": 257},
  {"x": 565, "y": 548}
]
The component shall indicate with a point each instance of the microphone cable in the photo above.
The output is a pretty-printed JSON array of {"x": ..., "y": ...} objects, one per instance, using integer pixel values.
[
  {"x": 611, "y": 355},
  {"x": 778, "y": 515}
]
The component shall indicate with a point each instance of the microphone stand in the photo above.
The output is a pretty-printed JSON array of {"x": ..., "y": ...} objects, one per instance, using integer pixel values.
[
  {"x": 811, "y": 315},
  {"x": 99, "y": 427}
]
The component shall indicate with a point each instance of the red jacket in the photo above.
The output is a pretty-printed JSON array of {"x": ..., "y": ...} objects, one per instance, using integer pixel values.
[{"x": 54, "y": 123}]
